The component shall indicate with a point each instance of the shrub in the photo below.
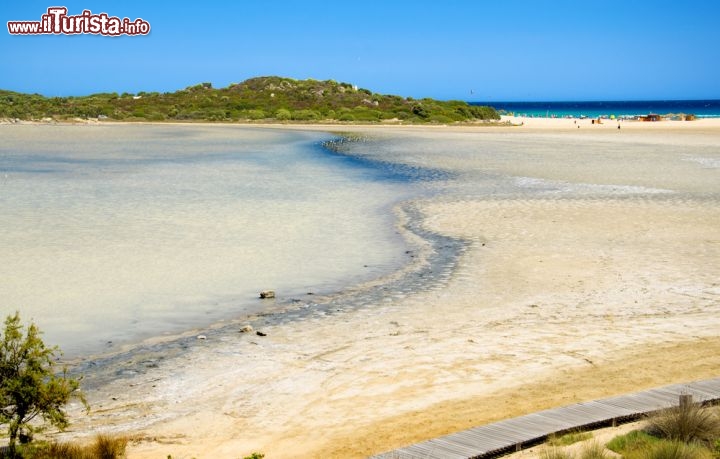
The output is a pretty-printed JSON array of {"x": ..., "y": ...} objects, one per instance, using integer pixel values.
[
  {"x": 255, "y": 114},
  {"x": 418, "y": 110},
  {"x": 365, "y": 114},
  {"x": 441, "y": 119},
  {"x": 215, "y": 115},
  {"x": 155, "y": 116},
  {"x": 305, "y": 115},
  {"x": 283, "y": 114},
  {"x": 483, "y": 112},
  {"x": 685, "y": 423}
]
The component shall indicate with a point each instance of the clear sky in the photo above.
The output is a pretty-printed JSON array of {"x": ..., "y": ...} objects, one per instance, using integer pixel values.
[{"x": 472, "y": 50}]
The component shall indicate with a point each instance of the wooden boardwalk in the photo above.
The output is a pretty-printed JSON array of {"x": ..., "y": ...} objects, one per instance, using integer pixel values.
[{"x": 513, "y": 434}]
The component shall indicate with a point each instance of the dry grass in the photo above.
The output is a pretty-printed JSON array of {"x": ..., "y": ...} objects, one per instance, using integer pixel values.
[
  {"x": 686, "y": 423},
  {"x": 107, "y": 447},
  {"x": 591, "y": 450},
  {"x": 104, "y": 447},
  {"x": 555, "y": 453},
  {"x": 63, "y": 450},
  {"x": 568, "y": 438},
  {"x": 676, "y": 450},
  {"x": 594, "y": 450}
]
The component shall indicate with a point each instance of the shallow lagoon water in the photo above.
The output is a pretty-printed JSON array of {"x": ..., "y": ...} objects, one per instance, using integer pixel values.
[{"x": 112, "y": 234}]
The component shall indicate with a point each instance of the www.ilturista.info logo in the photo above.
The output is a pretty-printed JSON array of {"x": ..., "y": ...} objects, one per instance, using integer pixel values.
[{"x": 57, "y": 21}]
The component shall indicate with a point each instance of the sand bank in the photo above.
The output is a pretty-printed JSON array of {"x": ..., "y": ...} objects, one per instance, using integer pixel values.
[{"x": 590, "y": 269}]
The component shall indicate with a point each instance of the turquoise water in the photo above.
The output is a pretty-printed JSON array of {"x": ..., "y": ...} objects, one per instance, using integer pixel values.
[
  {"x": 594, "y": 109},
  {"x": 112, "y": 234}
]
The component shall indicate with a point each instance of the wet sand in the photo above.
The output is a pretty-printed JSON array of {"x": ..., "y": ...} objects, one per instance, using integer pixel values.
[{"x": 590, "y": 268}]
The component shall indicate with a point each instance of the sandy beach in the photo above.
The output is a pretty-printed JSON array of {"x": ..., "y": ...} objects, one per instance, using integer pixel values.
[{"x": 590, "y": 268}]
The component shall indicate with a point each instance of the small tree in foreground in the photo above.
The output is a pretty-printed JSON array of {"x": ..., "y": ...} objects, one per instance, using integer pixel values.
[{"x": 29, "y": 386}]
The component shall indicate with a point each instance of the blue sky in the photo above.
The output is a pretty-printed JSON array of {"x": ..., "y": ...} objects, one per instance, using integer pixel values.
[{"x": 470, "y": 50}]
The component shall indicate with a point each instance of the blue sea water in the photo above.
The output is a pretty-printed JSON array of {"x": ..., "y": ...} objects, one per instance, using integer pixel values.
[{"x": 594, "y": 109}]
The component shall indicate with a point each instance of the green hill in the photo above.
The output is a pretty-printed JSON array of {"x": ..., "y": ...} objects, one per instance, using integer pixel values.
[{"x": 263, "y": 98}]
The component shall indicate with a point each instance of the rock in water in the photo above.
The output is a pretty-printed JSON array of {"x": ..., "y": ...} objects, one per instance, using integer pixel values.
[
  {"x": 267, "y": 294},
  {"x": 246, "y": 329}
]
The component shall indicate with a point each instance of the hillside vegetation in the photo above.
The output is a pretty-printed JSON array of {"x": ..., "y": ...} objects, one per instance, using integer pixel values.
[{"x": 262, "y": 98}]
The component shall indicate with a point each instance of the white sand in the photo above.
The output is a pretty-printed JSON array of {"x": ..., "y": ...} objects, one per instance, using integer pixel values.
[{"x": 600, "y": 276}]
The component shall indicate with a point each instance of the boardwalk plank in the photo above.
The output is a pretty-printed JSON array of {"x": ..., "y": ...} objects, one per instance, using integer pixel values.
[{"x": 507, "y": 434}]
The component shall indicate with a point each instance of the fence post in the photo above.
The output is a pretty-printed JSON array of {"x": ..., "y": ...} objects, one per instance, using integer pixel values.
[{"x": 686, "y": 400}]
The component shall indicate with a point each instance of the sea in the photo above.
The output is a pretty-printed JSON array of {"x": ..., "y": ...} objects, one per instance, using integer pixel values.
[
  {"x": 619, "y": 109},
  {"x": 115, "y": 234}
]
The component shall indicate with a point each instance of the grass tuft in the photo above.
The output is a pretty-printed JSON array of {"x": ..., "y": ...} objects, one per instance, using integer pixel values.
[
  {"x": 667, "y": 449},
  {"x": 633, "y": 441},
  {"x": 104, "y": 447},
  {"x": 594, "y": 450},
  {"x": 568, "y": 438},
  {"x": 109, "y": 447},
  {"x": 688, "y": 423}
]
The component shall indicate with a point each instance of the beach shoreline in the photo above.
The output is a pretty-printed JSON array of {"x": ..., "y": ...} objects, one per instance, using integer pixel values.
[
  {"x": 506, "y": 121},
  {"x": 558, "y": 264}
]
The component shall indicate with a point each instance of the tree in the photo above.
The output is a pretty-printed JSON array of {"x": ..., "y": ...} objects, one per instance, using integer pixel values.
[{"x": 29, "y": 386}]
